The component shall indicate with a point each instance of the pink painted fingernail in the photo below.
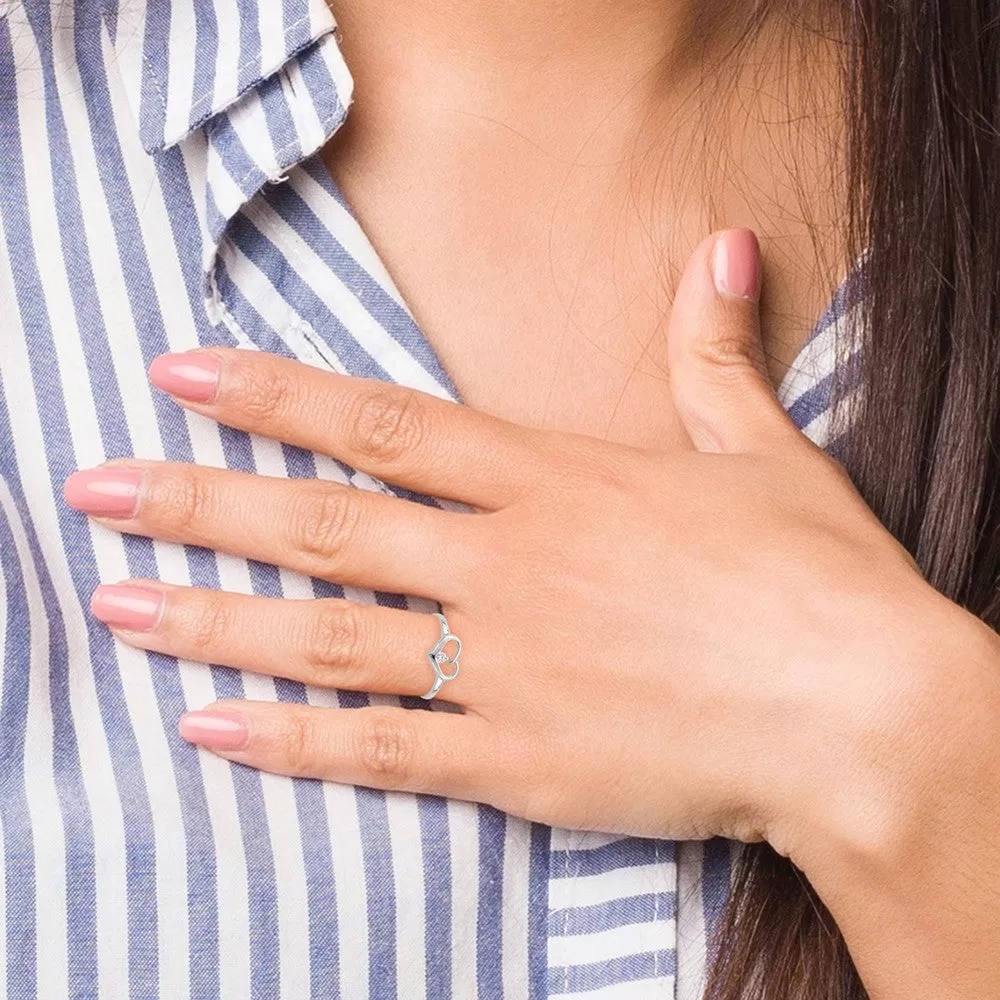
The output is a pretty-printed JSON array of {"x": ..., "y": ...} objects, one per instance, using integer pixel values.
[
  {"x": 107, "y": 492},
  {"x": 736, "y": 264},
  {"x": 137, "y": 609},
  {"x": 215, "y": 730},
  {"x": 193, "y": 376}
]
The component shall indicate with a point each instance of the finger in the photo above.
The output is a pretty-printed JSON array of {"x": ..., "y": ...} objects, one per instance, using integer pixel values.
[
  {"x": 393, "y": 433},
  {"x": 717, "y": 373},
  {"x": 318, "y": 528},
  {"x": 325, "y": 643},
  {"x": 438, "y": 753}
]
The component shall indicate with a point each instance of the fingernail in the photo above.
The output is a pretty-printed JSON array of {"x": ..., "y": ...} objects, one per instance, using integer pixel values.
[
  {"x": 137, "y": 609},
  {"x": 108, "y": 492},
  {"x": 193, "y": 376},
  {"x": 736, "y": 264},
  {"x": 215, "y": 730}
]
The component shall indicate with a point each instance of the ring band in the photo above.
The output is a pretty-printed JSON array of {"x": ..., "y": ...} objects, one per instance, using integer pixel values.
[{"x": 439, "y": 659}]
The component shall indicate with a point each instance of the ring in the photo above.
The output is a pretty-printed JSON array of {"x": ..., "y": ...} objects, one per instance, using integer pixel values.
[{"x": 439, "y": 659}]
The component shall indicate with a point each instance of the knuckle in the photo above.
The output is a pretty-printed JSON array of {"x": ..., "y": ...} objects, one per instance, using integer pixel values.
[
  {"x": 335, "y": 637},
  {"x": 388, "y": 424},
  {"x": 728, "y": 356},
  {"x": 208, "y": 623},
  {"x": 180, "y": 499},
  {"x": 323, "y": 520},
  {"x": 598, "y": 466},
  {"x": 262, "y": 391},
  {"x": 385, "y": 747},
  {"x": 301, "y": 746}
]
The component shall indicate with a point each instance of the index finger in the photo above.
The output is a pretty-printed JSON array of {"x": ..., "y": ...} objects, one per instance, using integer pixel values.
[{"x": 394, "y": 433}]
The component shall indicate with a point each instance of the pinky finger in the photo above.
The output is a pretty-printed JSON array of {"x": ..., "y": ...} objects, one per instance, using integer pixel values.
[{"x": 438, "y": 753}]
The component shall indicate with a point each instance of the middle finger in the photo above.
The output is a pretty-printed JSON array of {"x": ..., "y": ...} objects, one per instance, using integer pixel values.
[{"x": 318, "y": 528}]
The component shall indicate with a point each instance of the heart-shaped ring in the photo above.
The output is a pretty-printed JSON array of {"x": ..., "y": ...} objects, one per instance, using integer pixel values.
[{"x": 439, "y": 658}]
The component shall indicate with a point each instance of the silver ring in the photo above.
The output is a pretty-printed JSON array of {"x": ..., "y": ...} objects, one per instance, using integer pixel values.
[{"x": 439, "y": 659}]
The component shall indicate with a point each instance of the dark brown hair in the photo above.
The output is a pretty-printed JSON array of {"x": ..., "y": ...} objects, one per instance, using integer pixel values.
[{"x": 922, "y": 120}]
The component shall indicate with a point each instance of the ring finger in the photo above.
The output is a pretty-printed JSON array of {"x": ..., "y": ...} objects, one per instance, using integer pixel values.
[{"x": 327, "y": 643}]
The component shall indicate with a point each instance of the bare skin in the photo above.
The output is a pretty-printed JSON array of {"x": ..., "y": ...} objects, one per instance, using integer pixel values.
[{"x": 536, "y": 175}]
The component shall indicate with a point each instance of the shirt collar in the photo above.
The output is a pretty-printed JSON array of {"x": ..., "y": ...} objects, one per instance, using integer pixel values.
[
  {"x": 186, "y": 62},
  {"x": 244, "y": 88}
]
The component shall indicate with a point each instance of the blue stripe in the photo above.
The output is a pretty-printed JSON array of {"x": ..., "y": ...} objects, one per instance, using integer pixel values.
[
  {"x": 619, "y": 854},
  {"x": 435, "y": 846},
  {"x": 628, "y": 969},
  {"x": 489, "y": 924},
  {"x": 616, "y": 913},
  {"x": 280, "y": 124},
  {"x": 538, "y": 908},
  {"x": 206, "y": 31},
  {"x": 381, "y": 885},
  {"x": 15, "y": 818},
  {"x": 297, "y": 24},
  {"x": 323, "y": 93},
  {"x": 245, "y": 172},
  {"x": 250, "y": 66},
  {"x": 715, "y": 881},
  {"x": 110, "y": 11},
  {"x": 155, "y": 87},
  {"x": 816, "y": 400}
]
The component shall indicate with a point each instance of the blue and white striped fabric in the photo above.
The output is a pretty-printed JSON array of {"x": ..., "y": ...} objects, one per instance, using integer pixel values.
[{"x": 158, "y": 191}]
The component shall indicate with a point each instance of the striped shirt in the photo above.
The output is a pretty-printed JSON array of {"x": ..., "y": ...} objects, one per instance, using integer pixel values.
[{"x": 160, "y": 190}]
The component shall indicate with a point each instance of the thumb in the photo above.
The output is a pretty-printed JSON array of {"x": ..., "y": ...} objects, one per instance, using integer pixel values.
[{"x": 717, "y": 374}]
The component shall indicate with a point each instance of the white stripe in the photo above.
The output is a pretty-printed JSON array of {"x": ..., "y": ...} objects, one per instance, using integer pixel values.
[
  {"x": 517, "y": 906},
  {"x": 589, "y": 890},
  {"x": 171, "y": 295},
  {"x": 271, "y": 24},
  {"x": 463, "y": 833},
  {"x": 335, "y": 63},
  {"x": 814, "y": 362},
  {"x": 5, "y": 665},
  {"x": 604, "y": 946},
  {"x": 308, "y": 127},
  {"x": 228, "y": 53},
  {"x": 640, "y": 989},
  {"x": 581, "y": 840},
  {"x": 29, "y": 442},
  {"x": 408, "y": 872},
  {"x": 180, "y": 82},
  {"x": 43, "y": 802},
  {"x": 320, "y": 17},
  {"x": 129, "y": 60}
]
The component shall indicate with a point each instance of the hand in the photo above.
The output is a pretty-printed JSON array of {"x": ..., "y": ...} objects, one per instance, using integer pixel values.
[{"x": 710, "y": 642}]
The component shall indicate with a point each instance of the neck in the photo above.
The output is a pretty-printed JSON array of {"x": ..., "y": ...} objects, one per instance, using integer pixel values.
[{"x": 627, "y": 40}]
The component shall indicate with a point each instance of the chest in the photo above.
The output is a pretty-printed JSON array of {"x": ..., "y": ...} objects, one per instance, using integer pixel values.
[{"x": 545, "y": 286}]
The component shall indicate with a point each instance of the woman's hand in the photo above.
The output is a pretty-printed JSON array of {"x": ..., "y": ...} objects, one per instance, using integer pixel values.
[{"x": 722, "y": 640}]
